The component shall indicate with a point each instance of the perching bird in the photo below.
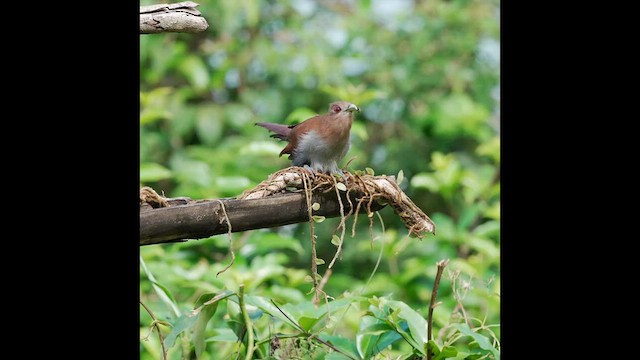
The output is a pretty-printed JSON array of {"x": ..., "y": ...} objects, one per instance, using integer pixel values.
[{"x": 319, "y": 142}]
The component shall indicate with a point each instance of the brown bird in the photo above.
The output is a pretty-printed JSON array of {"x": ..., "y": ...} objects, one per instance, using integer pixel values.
[{"x": 320, "y": 142}]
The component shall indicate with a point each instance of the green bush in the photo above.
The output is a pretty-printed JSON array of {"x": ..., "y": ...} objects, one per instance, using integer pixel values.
[{"x": 426, "y": 76}]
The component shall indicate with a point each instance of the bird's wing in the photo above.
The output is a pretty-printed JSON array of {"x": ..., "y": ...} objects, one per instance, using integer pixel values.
[
  {"x": 280, "y": 131},
  {"x": 298, "y": 130}
]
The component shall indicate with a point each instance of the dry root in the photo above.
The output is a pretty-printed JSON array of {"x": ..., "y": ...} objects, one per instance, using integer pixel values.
[
  {"x": 366, "y": 187},
  {"x": 151, "y": 197}
]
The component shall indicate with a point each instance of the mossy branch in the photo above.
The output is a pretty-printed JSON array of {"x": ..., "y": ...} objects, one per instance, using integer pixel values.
[{"x": 279, "y": 200}]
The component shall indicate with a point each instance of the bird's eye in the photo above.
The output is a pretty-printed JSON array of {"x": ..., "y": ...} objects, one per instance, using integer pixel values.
[{"x": 336, "y": 109}]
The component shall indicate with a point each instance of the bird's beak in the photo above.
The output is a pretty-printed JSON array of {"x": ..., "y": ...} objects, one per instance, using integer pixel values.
[{"x": 352, "y": 108}]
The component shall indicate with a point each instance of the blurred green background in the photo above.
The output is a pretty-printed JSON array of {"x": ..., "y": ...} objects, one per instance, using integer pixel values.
[{"x": 426, "y": 76}]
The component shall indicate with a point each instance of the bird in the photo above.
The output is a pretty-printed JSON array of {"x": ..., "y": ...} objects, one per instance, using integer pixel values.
[{"x": 320, "y": 142}]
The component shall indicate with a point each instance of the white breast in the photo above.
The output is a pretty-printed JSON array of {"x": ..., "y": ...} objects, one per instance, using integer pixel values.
[{"x": 315, "y": 152}]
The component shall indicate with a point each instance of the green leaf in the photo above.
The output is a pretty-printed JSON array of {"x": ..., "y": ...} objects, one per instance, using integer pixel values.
[
  {"x": 485, "y": 246},
  {"x": 487, "y": 229},
  {"x": 307, "y": 322},
  {"x": 468, "y": 215},
  {"x": 341, "y": 186},
  {"x": 376, "y": 328},
  {"x": 493, "y": 211},
  {"x": 400, "y": 177},
  {"x": 319, "y": 261},
  {"x": 183, "y": 323},
  {"x": 268, "y": 307},
  {"x": 163, "y": 293},
  {"x": 336, "y": 356},
  {"x": 482, "y": 340},
  {"x": 148, "y": 116},
  {"x": 459, "y": 113},
  {"x": 425, "y": 181},
  {"x": 341, "y": 343},
  {"x": 153, "y": 172},
  {"x": 362, "y": 342},
  {"x": 446, "y": 352},
  {"x": 222, "y": 334},
  {"x": 370, "y": 171},
  {"x": 335, "y": 240},
  {"x": 234, "y": 318},
  {"x": 195, "y": 70},
  {"x": 204, "y": 315},
  {"x": 318, "y": 218},
  {"x": 441, "y": 354},
  {"x": 408, "y": 338},
  {"x": 315, "y": 206},
  {"x": 203, "y": 318},
  {"x": 383, "y": 341},
  {"x": 417, "y": 324},
  {"x": 490, "y": 148},
  {"x": 374, "y": 336}
]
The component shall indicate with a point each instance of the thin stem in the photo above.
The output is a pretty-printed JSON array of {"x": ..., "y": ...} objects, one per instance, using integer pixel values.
[
  {"x": 233, "y": 255},
  {"x": 247, "y": 323},
  {"x": 288, "y": 318},
  {"x": 325, "y": 279},
  {"x": 155, "y": 324},
  {"x": 342, "y": 225},
  {"x": 375, "y": 268},
  {"x": 314, "y": 266},
  {"x": 441, "y": 265}
]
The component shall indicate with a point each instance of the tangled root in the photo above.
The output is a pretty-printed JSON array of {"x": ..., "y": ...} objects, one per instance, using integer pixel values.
[
  {"x": 367, "y": 188},
  {"x": 151, "y": 197}
]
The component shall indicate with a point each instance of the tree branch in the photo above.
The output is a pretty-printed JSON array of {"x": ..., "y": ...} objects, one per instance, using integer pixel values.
[
  {"x": 178, "y": 17},
  {"x": 276, "y": 202},
  {"x": 187, "y": 219}
]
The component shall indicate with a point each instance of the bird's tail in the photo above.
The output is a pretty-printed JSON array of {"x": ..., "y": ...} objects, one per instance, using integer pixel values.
[{"x": 280, "y": 131}]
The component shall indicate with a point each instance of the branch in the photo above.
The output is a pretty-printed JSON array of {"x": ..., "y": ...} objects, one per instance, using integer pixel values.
[
  {"x": 187, "y": 219},
  {"x": 178, "y": 17},
  {"x": 271, "y": 204}
]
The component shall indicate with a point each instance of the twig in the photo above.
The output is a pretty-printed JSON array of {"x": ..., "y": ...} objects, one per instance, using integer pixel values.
[
  {"x": 375, "y": 268},
  {"x": 314, "y": 266},
  {"x": 342, "y": 225},
  {"x": 441, "y": 265},
  {"x": 233, "y": 255},
  {"x": 288, "y": 318},
  {"x": 464, "y": 313},
  {"x": 324, "y": 281},
  {"x": 247, "y": 323},
  {"x": 155, "y": 324}
]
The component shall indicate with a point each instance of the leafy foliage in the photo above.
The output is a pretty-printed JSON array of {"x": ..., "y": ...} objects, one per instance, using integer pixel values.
[{"x": 426, "y": 76}]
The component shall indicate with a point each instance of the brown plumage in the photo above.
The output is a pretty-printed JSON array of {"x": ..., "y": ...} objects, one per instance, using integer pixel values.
[{"x": 319, "y": 142}]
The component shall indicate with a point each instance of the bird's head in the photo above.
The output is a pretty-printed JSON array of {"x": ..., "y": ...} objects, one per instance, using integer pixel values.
[{"x": 342, "y": 106}]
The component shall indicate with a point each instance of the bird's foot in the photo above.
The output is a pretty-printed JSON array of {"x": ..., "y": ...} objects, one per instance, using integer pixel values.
[
  {"x": 309, "y": 169},
  {"x": 341, "y": 173}
]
